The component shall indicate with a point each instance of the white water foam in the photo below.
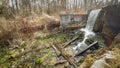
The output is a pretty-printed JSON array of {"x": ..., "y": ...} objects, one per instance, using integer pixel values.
[{"x": 88, "y": 33}]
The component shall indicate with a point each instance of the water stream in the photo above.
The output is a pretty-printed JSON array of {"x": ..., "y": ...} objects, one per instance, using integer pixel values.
[{"x": 88, "y": 33}]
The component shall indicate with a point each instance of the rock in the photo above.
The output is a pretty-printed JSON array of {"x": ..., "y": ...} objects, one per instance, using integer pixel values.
[
  {"x": 101, "y": 63},
  {"x": 88, "y": 62},
  {"x": 109, "y": 59},
  {"x": 99, "y": 22},
  {"x": 107, "y": 35},
  {"x": 116, "y": 41},
  {"x": 101, "y": 27},
  {"x": 112, "y": 21},
  {"x": 108, "y": 22}
]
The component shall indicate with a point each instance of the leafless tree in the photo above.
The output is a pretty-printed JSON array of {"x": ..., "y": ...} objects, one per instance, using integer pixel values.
[{"x": 51, "y": 6}]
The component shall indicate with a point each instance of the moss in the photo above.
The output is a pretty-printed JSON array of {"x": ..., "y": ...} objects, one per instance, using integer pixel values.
[
  {"x": 47, "y": 52},
  {"x": 1, "y": 9},
  {"x": 26, "y": 65},
  {"x": 14, "y": 53},
  {"x": 45, "y": 41},
  {"x": 61, "y": 38},
  {"x": 3, "y": 54},
  {"x": 49, "y": 55},
  {"x": 58, "y": 38},
  {"x": 81, "y": 60},
  {"x": 98, "y": 39},
  {"x": 48, "y": 66},
  {"x": 29, "y": 65},
  {"x": 5, "y": 59},
  {"x": 23, "y": 45},
  {"x": 38, "y": 60},
  {"x": 88, "y": 61},
  {"x": 114, "y": 62}
]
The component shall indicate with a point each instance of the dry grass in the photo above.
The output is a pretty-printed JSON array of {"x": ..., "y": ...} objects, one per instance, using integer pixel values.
[
  {"x": 25, "y": 28},
  {"x": 7, "y": 32},
  {"x": 49, "y": 22}
]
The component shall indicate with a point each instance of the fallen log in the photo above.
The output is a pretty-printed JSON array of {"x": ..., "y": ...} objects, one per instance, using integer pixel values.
[
  {"x": 63, "y": 53},
  {"x": 91, "y": 45}
]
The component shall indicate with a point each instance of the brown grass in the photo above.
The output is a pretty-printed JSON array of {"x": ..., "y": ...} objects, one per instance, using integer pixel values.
[
  {"x": 25, "y": 28},
  {"x": 49, "y": 22}
]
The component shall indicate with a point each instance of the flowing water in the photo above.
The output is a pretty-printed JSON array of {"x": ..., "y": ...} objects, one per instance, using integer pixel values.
[{"x": 88, "y": 33}]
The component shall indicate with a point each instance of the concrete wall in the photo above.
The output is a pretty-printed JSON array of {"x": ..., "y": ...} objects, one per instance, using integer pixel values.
[{"x": 72, "y": 18}]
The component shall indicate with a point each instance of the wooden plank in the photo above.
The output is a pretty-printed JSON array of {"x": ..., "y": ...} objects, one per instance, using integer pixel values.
[
  {"x": 63, "y": 53},
  {"x": 91, "y": 45},
  {"x": 69, "y": 42}
]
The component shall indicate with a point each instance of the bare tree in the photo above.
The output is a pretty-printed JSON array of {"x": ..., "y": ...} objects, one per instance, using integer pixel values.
[{"x": 51, "y": 6}]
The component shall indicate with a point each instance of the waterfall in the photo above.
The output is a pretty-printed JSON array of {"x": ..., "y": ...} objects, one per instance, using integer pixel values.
[
  {"x": 92, "y": 18},
  {"x": 88, "y": 33}
]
